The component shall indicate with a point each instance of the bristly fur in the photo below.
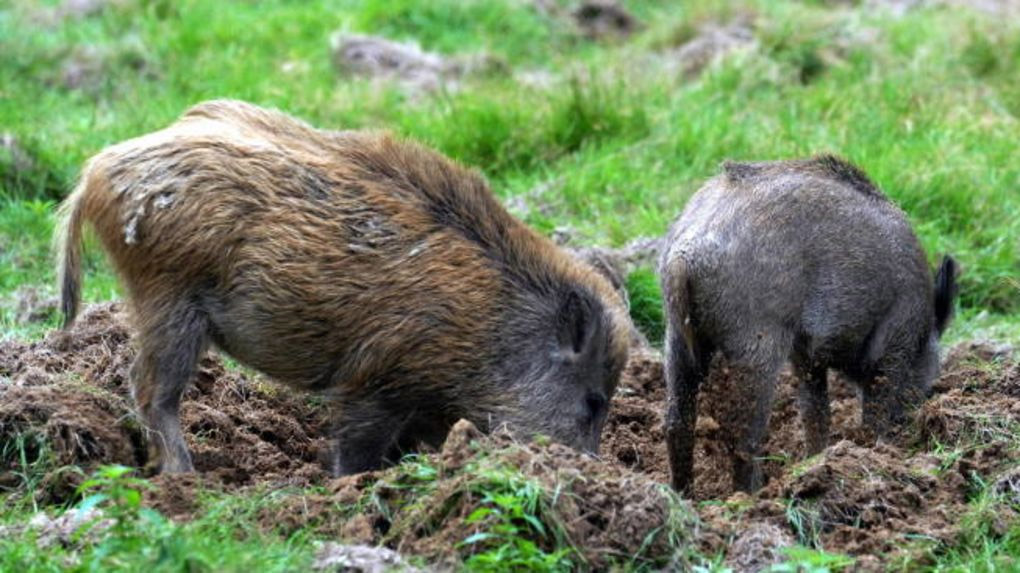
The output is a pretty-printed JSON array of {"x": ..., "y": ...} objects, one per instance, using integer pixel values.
[
  {"x": 826, "y": 165},
  {"x": 737, "y": 171},
  {"x": 802, "y": 261},
  {"x": 349, "y": 262},
  {"x": 842, "y": 170}
]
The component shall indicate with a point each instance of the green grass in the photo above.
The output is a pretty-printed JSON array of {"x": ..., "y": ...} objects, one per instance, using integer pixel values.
[
  {"x": 612, "y": 148},
  {"x": 225, "y": 537}
]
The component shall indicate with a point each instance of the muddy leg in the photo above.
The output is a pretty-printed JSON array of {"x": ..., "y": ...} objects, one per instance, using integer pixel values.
[
  {"x": 749, "y": 424},
  {"x": 169, "y": 350},
  {"x": 366, "y": 434},
  {"x": 813, "y": 400},
  {"x": 684, "y": 375}
]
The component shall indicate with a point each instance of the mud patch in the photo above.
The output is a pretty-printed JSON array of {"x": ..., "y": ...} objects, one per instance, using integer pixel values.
[{"x": 405, "y": 64}]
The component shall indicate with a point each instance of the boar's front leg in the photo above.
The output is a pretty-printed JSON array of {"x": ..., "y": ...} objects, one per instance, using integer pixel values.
[{"x": 813, "y": 400}]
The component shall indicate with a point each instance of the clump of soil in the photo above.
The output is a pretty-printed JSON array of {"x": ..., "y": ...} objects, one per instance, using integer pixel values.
[
  {"x": 758, "y": 547},
  {"x": 359, "y": 559},
  {"x": 72, "y": 389},
  {"x": 640, "y": 252},
  {"x": 72, "y": 528},
  {"x": 633, "y": 436},
  {"x": 601, "y": 19},
  {"x": 91, "y": 68},
  {"x": 31, "y": 304},
  {"x": 65, "y": 402},
  {"x": 417, "y": 71},
  {"x": 712, "y": 43}
]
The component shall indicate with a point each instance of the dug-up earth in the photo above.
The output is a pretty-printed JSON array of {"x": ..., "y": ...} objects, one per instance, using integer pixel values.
[{"x": 66, "y": 399}]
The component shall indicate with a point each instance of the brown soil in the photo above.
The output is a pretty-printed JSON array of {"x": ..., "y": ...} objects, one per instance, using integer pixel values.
[
  {"x": 67, "y": 396},
  {"x": 73, "y": 390}
]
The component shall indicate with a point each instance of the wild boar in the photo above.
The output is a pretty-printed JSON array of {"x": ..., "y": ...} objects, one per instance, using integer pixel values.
[
  {"x": 802, "y": 260},
  {"x": 350, "y": 263}
]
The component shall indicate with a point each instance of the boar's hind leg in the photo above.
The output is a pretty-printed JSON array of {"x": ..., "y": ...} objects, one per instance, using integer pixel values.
[
  {"x": 170, "y": 345},
  {"x": 813, "y": 399},
  {"x": 754, "y": 379},
  {"x": 684, "y": 375}
]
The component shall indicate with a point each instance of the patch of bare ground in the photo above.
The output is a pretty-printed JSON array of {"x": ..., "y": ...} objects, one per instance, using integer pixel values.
[
  {"x": 72, "y": 390},
  {"x": 65, "y": 399},
  {"x": 405, "y": 64}
]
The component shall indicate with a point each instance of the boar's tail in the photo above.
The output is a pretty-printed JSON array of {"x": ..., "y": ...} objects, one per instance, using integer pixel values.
[
  {"x": 945, "y": 293},
  {"x": 67, "y": 245},
  {"x": 681, "y": 345}
]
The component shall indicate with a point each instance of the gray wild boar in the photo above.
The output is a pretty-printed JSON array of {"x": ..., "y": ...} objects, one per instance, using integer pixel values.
[
  {"x": 807, "y": 261},
  {"x": 349, "y": 263}
]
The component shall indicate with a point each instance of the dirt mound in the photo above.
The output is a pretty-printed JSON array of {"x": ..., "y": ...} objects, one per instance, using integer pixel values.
[
  {"x": 857, "y": 497},
  {"x": 609, "y": 514},
  {"x": 72, "y": 389},
  {"x": 634, "y": 434},
  {"x": 601, "y": 19},
  {"x": 872, "y": 500},
  {"x": 65, "y": 404},
  {"x": 977, "y": 398},
  {"x": 712, "y": 43}
]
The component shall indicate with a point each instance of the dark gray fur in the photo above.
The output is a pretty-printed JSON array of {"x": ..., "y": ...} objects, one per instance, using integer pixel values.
[{"x": 807, "y": 261}]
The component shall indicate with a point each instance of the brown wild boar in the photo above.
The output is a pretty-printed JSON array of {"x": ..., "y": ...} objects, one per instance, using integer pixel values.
[
  {"x": 803, "y": 260},
  {"x": 374, "y": 270}
]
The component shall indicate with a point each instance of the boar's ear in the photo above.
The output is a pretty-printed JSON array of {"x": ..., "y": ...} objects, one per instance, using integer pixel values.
[
  {"x": 945, "y": 293},
  {"x": 576, "y": 323}
]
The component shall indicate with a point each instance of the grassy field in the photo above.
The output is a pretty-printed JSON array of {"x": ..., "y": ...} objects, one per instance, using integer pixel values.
[{"x": 608, "y": 145}]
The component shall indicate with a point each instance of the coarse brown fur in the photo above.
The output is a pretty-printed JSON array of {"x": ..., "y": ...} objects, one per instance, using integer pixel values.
[
  {"x": 351, "y": 263},
  {"x": 802, "y": 260}
]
